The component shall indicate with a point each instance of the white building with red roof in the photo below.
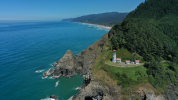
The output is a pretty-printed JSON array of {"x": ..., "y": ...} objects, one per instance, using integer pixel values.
[
  {"x": 118, "y": 60},
  {"x": 137, "y": 61},
  {"x": 114, "y": 56},
  {"x": 127, "y": 62}
]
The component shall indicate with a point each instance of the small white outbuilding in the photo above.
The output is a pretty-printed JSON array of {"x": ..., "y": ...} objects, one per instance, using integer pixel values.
[
  {"x": 137, "y": 61},
  {"x": 128, "y": 62},
  {"x": 118, "y": 60}
]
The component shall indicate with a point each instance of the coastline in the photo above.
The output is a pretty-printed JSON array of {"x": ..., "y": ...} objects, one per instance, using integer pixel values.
[{"x": 106, "y": 27}]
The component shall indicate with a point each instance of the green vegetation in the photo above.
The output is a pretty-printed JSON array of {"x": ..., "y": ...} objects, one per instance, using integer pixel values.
[
  {"x": 108, "y": 19},
  {"x": 155, "y": 9},
  {"x": 161, "y": 74},
  {"x": 127, "y": 76},
  {"x": 143, "y": 38},
  {"x": 151, "y": 31}
]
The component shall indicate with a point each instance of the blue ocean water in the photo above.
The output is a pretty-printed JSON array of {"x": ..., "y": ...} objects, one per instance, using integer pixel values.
[{"x": 26, "y": 47}]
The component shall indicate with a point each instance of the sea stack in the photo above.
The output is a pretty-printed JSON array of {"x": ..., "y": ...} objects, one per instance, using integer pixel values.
[{"x": 65, "y": 65}]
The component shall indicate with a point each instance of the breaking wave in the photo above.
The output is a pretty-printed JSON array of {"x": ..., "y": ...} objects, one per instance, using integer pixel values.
[
  {"x": 39, "y": 71},
  {"x": 56, "y": 83},
  {"x": 83, "y": 76}
]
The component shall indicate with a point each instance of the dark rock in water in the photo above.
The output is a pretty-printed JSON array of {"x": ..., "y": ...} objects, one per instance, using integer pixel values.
[
  {"x": 54, "y": 64},
  {"x": 55, "y": 77},
  {"x": 48, "y": 72},
  {"x": 53, "y": 97},
  {"x": 65, "y": 66},
  {"x": 86, "y": 80}
]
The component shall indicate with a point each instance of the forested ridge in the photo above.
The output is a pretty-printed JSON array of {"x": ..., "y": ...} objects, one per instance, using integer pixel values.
[
  {"x": 108, "y": 19},
  {"x": 151, "y": 30}
]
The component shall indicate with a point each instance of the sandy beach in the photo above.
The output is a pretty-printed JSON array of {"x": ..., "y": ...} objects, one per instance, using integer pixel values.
[{"x": 106, "y": 27}]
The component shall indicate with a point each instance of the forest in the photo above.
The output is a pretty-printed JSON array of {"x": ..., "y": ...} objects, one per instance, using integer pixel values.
[
  {"x": 151, "y": 31},
  {"x": 108, "y": 19}
]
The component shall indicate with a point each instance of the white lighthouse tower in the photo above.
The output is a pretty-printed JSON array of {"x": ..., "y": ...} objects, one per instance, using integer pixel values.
[{"x": 114, "y": 56}]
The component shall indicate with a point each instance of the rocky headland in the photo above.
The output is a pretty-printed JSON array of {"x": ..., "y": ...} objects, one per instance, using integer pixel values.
[{"x": 95, "y": 88}]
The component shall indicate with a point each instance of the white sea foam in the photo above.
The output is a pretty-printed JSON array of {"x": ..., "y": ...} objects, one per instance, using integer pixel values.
[
  {"x": 76, "y": 88},
  {"x": 56, "y": 83},
  {"x": 44, "y": 77},
  {"x": 48, "y": 99},
  {"x": 98, "y": 27},
  {"x": 50, "y": 77},
  {"x": 39, "y": 71}
]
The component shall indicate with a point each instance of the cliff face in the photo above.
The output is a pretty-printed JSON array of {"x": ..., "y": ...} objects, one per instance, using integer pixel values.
[
  {"x": 85, "y": 59},
  {"x": 93, "y": 89},
  {"x": 172, "y": 92}
]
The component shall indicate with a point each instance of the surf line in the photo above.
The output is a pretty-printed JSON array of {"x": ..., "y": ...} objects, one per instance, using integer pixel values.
[{"x": 56, "y": 83}]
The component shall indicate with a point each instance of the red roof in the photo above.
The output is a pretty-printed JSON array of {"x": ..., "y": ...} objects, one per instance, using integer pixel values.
[
  {"x": 128, "y": 61},
  {"x": 118, "y": 59},
  {"x": 114, "y": 50},
  {"x": 137, "y": 61}
]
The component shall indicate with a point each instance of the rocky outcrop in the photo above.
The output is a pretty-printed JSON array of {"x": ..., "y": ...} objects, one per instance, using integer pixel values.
[
  {"x": 48, "y": 72},
  {"x": 145, "y": 94},
  {"x": 65, "y": 65},
  {"x": 172, "y": 92},
  {"x": 54, "y": 64},
  {"x": 53, "y": 97},
  {"x": 92, "y": 91}
]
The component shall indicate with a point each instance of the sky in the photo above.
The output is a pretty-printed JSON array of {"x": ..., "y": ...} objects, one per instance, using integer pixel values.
[{"x": 61, "y": 9}]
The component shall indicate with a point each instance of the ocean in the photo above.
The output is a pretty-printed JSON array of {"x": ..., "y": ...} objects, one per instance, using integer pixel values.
[{"x": 26, "y": 47}]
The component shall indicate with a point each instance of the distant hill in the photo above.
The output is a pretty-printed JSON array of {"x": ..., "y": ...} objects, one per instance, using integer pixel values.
[{"x": 108, "y": 19}]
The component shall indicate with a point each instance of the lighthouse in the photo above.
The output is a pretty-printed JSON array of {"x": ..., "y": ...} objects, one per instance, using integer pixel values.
[{"x": 114, "y": 56}]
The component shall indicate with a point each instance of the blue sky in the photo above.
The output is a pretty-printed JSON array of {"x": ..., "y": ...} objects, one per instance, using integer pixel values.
[{"x": 59, "y": 9}]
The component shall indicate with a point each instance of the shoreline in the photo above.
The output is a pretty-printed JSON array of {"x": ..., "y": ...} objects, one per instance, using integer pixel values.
[{"x": 106, "y": 27}]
